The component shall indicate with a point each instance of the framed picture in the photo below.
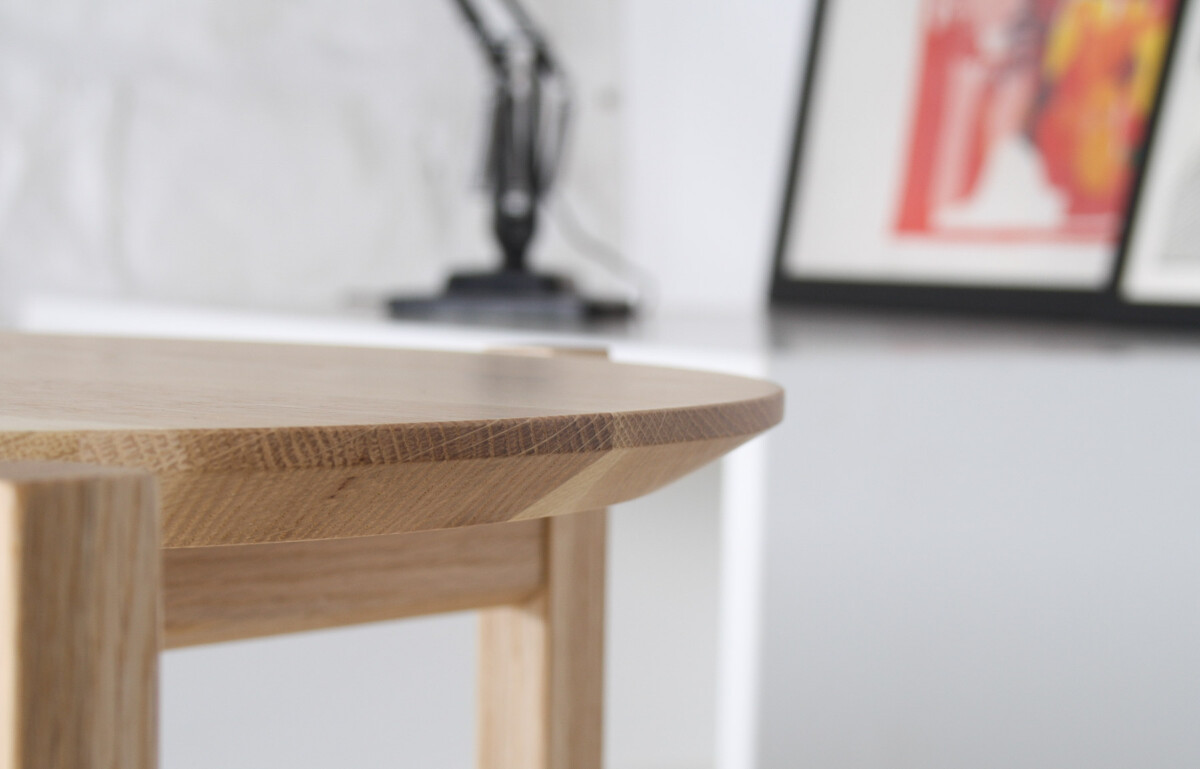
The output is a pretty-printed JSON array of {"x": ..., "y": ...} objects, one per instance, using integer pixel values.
[
  {"x": 969, "y": 154},
  {"x": 1160, "y": 269}
]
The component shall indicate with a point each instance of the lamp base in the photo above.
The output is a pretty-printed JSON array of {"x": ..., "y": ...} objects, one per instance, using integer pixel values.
[{"x": 510, "y": 296}]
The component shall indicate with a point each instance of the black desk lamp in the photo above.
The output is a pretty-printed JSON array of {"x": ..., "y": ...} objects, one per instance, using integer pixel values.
[{"x": 528, "y": 126}]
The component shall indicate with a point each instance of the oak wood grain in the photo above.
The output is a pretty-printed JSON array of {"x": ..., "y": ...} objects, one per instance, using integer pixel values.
[
  {"x": 541, "y": 663},
  {"x": 541, "y": 686},
  {"x": 79, "y": 591},
  {"x": 230, "y": 592},
  {"x": 269, "y": 443}
]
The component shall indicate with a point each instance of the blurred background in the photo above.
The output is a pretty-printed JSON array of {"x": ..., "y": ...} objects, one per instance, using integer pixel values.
[
  {"x": 296, "y": 154},
  {"x": 971, "y": 544}
]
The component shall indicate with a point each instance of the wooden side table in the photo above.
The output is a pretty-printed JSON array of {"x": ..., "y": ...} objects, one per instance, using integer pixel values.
[{"x": 156, "y": 494}]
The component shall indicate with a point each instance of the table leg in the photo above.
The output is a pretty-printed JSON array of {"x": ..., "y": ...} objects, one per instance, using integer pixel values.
[
  {"x": 542, "y": 662},
  {"x": 79, "y": 606}
]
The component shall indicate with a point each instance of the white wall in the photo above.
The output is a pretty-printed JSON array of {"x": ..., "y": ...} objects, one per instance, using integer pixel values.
[
  {"x": 268, "y": 153},
  {"x": 711, "y": 87},
  {"x": 296, "y": 155}
]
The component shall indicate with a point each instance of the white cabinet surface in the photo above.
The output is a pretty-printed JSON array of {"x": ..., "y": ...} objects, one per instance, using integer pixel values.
[{"x": 968, "y": 545}]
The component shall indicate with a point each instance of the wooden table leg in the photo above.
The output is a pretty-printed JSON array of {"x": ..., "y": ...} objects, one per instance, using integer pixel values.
[
  {"x": 79, "y": 587},
  {"x": 542, "y": 662}
]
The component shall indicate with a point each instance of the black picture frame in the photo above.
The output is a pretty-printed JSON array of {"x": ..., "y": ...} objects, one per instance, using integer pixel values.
[
  {"x": 1058, "y": 304},
  {"x": 1121, "y": 308}
]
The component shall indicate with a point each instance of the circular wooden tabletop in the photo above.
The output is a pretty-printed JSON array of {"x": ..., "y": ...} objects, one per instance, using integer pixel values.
[{"x": 257, "y": 442}]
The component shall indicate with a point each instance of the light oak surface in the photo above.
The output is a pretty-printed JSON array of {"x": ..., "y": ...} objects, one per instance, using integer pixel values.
[
  {"x": 270, "y": 443},
  {"x": 229, "y": 592},
  {"x": 541, "y": 677},
  {"x": 307, "y": 487},
  {"x": 80, "y": 615}
]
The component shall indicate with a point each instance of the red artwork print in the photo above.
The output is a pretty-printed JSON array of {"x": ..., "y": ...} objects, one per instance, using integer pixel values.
[{"x": 1029, "y": 117}]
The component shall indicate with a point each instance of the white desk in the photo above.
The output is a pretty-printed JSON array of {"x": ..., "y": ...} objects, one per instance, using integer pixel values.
[
  {"x": 968, "y": 545},
  {"x": 983, "y": 549}
]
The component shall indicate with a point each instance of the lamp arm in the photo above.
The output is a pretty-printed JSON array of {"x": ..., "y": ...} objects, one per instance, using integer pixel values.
[
  {"x": 490, "y": 44},
  {"x": 528, "y": 125}
]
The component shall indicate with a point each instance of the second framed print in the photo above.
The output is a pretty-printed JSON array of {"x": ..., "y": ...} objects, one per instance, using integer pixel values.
[
  {"x": 1160, "y": 276},
  {"x": 969, "y": 154}
]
